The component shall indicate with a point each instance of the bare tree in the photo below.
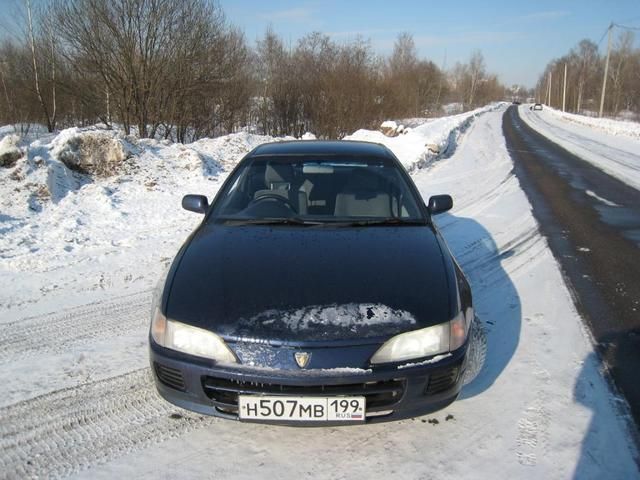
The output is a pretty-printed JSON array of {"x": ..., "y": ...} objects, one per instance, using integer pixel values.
[
  {"x": 179, "y": 70},
  {"x": 162, "y": 62},
  {"x": 477, "y": 72},
  {"x": 620, "y": 57},
  {"x": 412, "y": 86},
  {"x": 49, "y": 112},
  {"x": 588, "y": 58}
]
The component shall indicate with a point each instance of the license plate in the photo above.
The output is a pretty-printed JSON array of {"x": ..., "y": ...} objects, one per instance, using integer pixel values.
[{"x": 301, "y": 409}]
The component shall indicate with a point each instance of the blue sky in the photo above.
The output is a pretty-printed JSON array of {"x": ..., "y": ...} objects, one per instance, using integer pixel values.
[{"x": 516, "y": 38}]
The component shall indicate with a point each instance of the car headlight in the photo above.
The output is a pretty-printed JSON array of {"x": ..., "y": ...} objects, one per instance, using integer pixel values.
[
  {"x": 426, "y": 342},
  {"x": 187, "y": 339}
]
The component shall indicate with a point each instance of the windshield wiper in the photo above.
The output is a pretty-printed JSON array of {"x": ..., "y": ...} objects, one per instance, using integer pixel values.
[
  {"x": 391, "y": 221},
  {"x": 272, "y": 221}
]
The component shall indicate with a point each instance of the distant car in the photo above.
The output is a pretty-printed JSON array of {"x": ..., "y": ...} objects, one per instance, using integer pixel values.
[
  {"x": 516, "y": 102},
  {"x": 317, "y": 290},
  {"x": 536, "y": 106}
]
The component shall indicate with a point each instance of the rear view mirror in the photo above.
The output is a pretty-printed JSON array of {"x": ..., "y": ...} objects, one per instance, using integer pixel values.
[
  {"x": 195, "y": 203},
  {"x": 439, "y": 204}
]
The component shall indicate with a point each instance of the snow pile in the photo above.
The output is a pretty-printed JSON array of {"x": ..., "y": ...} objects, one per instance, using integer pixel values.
[
  {"x": 9, "y": 150},
  {"x": 425, "y": 143},
  {"x": 608, "y": 125}
]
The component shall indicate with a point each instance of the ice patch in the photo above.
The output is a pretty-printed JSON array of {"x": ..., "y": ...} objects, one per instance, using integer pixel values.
[{"x": 603, "y": 200}]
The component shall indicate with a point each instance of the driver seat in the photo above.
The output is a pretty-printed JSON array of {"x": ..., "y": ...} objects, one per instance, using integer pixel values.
[{"x": 279, "y": 180}]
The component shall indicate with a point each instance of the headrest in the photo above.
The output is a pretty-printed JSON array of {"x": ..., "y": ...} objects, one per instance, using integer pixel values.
[{"x": 277, "y": 175}]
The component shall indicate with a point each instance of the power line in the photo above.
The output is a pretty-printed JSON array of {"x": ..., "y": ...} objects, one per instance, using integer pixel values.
[
  {"x": 626, "y": 27},
  {"x": 604, "y": 34}
]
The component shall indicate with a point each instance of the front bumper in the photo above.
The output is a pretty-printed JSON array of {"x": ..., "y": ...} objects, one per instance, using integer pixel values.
[{"x": 391, "y": 393}]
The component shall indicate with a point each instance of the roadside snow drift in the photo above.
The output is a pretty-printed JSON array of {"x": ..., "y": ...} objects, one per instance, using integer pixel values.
[{"x": 427, "y": 142}]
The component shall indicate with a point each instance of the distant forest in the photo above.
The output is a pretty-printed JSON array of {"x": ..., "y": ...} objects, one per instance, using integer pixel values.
[
  {"x": 585, "y": 68},
  {"x": 180, "y": 69}
]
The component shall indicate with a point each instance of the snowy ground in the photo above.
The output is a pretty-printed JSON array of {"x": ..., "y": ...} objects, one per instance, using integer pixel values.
[
  {"x": 79, "y": 400},
  {"x": 611, "y": 145}
]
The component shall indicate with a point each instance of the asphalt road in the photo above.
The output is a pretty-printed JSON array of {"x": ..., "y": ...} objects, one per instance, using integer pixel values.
[{"x": 592, "y": 223}]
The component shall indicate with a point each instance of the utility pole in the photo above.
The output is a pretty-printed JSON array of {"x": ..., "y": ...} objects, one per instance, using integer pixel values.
[
  {"x": 606, "y": 71},
  {"x": 549, "y": 92},
  {"x": 564, "y": 89}
]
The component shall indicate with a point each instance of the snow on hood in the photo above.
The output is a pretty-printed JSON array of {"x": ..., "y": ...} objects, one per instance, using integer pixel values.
[{"x": 351, "y": 315}]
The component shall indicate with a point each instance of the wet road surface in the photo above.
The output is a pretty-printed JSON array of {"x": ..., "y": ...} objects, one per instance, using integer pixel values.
[{"x": 592, "y": 223}]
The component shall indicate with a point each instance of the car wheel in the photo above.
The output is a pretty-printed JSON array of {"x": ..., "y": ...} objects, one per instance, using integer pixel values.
[{"x": 477, "y": 351}]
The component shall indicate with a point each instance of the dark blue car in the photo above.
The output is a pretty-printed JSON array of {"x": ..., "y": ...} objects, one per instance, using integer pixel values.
[{"x": 316, "y": 291}]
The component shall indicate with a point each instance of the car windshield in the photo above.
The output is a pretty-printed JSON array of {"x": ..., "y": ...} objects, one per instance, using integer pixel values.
[{"x": 318, "y": 190}]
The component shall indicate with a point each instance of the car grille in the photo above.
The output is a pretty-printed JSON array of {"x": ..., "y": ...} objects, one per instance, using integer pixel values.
[
  {"x": 171, "y": 377},
  {"x": 442, "y": 380},
  {"x": 378, "y": 395}
]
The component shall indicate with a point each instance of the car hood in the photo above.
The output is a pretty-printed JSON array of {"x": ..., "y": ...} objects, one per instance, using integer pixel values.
[{"x": 298, "y": 284}]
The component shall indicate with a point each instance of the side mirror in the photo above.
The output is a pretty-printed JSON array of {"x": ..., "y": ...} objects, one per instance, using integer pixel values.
[
  {"x": 439, "y": 204},
  {"x": 195, "y": 203}
]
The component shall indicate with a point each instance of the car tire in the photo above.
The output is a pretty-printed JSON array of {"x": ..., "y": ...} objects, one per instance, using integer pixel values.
[{"x": 477, "y": 351}]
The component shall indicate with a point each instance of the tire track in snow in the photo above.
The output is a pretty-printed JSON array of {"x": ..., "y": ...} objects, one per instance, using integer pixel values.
[
  {"x": 81, "y": 325},
  {"x": 532, "y": 441},
  {"x": 69, "y": 430}
]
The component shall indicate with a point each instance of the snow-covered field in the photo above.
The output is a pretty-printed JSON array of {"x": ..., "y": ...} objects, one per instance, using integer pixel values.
[
  {"x": 76, "y": 278},
  {"x": 611, "y": 145}
]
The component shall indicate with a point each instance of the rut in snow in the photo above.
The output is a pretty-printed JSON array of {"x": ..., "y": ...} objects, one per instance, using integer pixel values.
[
  {"x": 82, "y": 325},
  {"x": 67, "y": 431}
]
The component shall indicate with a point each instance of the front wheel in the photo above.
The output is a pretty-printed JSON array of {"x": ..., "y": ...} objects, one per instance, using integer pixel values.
[{"x": 477, "y": 352}]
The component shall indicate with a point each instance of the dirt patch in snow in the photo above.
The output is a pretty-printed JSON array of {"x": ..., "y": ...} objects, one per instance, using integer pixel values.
[
  {"x": 93, "y": 153},
  {"x": 9, "y": 150}
]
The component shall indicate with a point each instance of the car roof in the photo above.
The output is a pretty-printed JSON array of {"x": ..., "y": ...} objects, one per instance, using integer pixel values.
[{"x": 321, "y": 147}]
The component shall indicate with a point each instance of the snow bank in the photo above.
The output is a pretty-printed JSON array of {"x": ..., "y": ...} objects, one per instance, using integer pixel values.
[
  {"x": 608, "y": 125},
  {"x": 425, "y": 143}
]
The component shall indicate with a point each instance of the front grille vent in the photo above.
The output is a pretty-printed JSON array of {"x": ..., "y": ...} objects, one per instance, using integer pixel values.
[
  {"x": 442, "y": 380},
  {"x": 171, "y": 377}
]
